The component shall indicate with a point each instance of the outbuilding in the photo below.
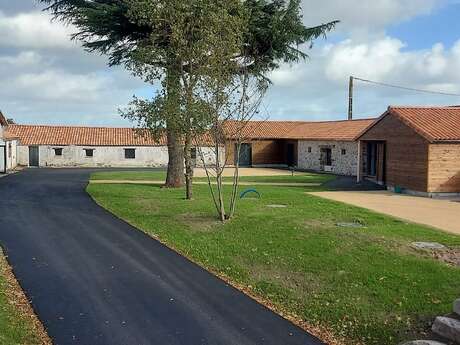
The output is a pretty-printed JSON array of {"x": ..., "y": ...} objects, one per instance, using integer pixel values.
[
  {"x": 414, "y": 150},
  {"x": 72, "y": 146},
  {"x": 324, "y": 146}
]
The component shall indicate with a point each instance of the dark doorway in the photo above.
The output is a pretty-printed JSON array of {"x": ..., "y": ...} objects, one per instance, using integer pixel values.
[
  {"x": 33, "y": 156},
  {"x": 375, "y": 163},
  {"x": 326, "y": 158},
  {"x": 245, "y": 155},
  {"x": 290, "y": 156}
]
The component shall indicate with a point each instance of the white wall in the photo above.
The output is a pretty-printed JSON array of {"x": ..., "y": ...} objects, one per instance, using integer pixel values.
[
  {"x": 104, "y": 156},
  {"x": 11, "y": 154},
  {"x": 341, "y": 164},
  {"x": 2, "y": 157}
]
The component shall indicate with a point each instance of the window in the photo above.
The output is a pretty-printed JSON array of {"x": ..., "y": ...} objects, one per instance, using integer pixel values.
[
  {"x": 193, "y": 153},
  {"x": 89, "y": 152},
  {"x": 130, "y": 153},
  {"x": 58, "y": 151},
  {"x": 10, "y": 150},
  {"x": 309, "y": 149},
  {"x": 344, "y": 152}
]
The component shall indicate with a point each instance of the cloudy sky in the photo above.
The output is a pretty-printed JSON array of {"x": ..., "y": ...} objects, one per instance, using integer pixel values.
[{"x": 46, "y": 78}]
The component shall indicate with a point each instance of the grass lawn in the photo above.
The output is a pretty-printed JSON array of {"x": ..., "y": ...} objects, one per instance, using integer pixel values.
[
  {"x": 18, "y": 324},
  {"x": 365, "y": 284},
  {"x": 161, "y": 175}
]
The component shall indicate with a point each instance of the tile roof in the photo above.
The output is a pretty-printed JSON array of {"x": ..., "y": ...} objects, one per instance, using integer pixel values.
[
  {"x": 346, "y": 130},
  {"x": 84, "y": 136},
  {"x": 260, "y": 129},
  {"x": 253, "y": 130},
  {"x": 433, "y": 123},
  {"x": 324, "y": 130}
]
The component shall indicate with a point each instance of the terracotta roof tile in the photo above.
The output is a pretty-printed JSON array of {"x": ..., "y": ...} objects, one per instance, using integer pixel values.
[
  {"x": 346, "y": 130},
  {"x": 260, "y": 129},
  {"x": 254, "y": 130},
  {"x": 84, "y": 136},
  {"x": 433, "y": 123}
]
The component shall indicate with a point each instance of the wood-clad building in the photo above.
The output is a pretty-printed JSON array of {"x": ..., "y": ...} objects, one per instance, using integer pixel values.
[{"x": 413, "y": 149}]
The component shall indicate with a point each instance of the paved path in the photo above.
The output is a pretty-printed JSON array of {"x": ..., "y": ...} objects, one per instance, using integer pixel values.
[
  {"x": 95, "y": 280},
  {"x": 241, "y": 183},
  {"x": 441, "y": 214}
]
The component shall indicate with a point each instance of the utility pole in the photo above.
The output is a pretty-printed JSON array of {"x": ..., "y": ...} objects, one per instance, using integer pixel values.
[{"x": 350, "y": 99}]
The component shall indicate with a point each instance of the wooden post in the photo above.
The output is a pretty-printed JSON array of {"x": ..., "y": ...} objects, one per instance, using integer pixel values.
[
  {"x": 350, "y": 99},
  {"x": 360, "y": 169}
]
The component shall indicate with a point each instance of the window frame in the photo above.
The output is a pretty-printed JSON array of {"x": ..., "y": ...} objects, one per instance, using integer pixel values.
[
  {"x": 133, "y": 150},
  {"x": 89, "y": 150},
  {"x": 58, "y": 149}
]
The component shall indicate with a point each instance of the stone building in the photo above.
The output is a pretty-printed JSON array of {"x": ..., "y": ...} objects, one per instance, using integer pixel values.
[
  {"x": 327, "y": 146},
  {"x": 68, "y": 146}
]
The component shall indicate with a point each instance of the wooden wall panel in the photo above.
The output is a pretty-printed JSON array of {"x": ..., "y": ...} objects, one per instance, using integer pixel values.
[
  {"x": 263, "y": 152},
  {"x": 444, "y": 165},
  {"x": 406, "y": 153}
]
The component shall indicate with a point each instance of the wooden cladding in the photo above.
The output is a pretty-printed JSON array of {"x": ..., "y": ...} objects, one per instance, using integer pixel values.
[
  {"x": 405, "y": 151},
  {"x": 444, "y": 168},
  {"x": 266, "y": 152}
]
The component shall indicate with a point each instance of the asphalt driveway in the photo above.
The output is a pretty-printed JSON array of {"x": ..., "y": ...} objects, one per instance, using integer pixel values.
[{"x": 95, "y": 280}]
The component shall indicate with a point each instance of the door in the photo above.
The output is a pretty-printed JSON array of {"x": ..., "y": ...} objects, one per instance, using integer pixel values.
[
  {"x": 376, "y": 161},
  {"x": 2, "y": 159},
  {"x": 290, "y": 157},
  {"x": 33, "y": 156},
  {"x": 245, "y": 154},
  {"x": 326, "y": 158}
]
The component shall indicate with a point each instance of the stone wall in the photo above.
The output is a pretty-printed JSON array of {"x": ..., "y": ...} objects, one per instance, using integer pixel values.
[
  {"x": 104, "y": 156},
  {"x": 343, "y": 163}
]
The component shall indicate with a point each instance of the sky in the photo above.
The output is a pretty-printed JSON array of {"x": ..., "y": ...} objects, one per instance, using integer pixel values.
[{"x": 48, "y": 79}]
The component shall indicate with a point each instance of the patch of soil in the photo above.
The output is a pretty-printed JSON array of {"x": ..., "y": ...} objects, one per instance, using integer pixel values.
[
  {"x": 199, "y": 223},
  {"x": 450, "y": 256}
]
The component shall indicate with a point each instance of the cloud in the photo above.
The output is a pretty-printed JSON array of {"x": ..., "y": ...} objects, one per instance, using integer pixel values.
[
  {"x": 360, "y": 17},
  {"x": 386, "y": 60},
  {"x": 50, "y": 79},
  {"x": 320, "y": 85},
  {"x": 33, "y": 30}
]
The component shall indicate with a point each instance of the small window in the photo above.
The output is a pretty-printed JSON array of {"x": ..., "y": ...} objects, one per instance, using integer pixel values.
[
  {"x": 130, "y": 153},
  {"x": 344, "y": 152},
  {"x": 193, "y": 153},
  {"x": 58, "y": 151},
  {"x": 309, "y": 149},
  {"x": 89, "y": 152}
]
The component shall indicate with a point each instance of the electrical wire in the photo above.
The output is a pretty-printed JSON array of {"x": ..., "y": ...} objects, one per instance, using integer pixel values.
[{"x": 406, "y": 88}]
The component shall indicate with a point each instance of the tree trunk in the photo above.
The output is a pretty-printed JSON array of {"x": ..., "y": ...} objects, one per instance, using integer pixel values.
[
  {"x": 188, "y": 167},
  {"x": 175, "y": 174}
]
